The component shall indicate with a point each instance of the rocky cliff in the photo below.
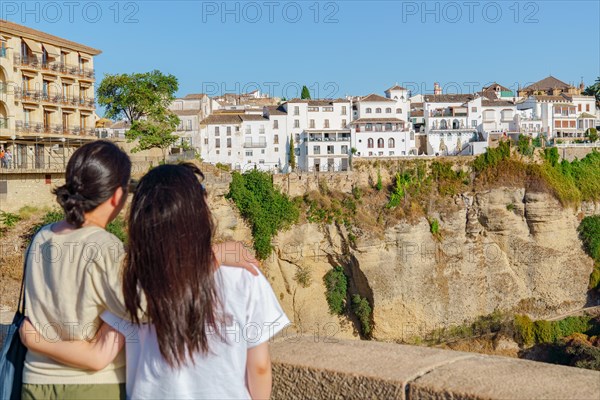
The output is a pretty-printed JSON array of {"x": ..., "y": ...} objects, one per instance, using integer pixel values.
[{"x": 504, "y": 249}]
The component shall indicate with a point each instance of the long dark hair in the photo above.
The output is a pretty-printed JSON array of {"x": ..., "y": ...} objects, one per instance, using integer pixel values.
[
  {"x": 170, "y": 259},
  {"x": 94, "y": 172}
]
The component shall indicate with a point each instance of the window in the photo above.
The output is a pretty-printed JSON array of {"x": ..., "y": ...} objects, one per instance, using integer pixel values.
[
  {"x": 330, "y": 150},
  {"x": 370, "y": 143},
  {"x": 228, "y": 143},
  {"x": 228, "y": 130},
  {"x": 262, "y": 151},
  {"x": 388, "y": 126},
  {"x": 579, "y": 107},
  {"x": 344, "y": 123},
  {"x": 261, "y": 129},
  {"x": 276, "y": 149},
  {"x": 369, "y": 127},
  {"x": 317, "y": 150},
  {"x": 344, "y": 110},
  {"x": 296, "y": 123},
  {"x": 398, "y": 111},
  {"x": 391, "y": 153},
  {"x": 311, "y": 124},
  {"x": 328, "y": 109},
  {"x": 248, "y": 153},
  {"x": 474, "y": 124},
  {"x": 248, "y": 130},
  {"x": 217, "y": 143},
  {"x": 344, "y": 149},
  {"x": 368, "y": 111},
  {"x": 297, "y": 138},
  {"x": 388, "y": 110},
  {"x": 391, "y": 143},
  {"x": 313, "y": 109},
  {"x": 587, "y": 107},
  {"x": 378, "y": 110},
  {"x": 217, "y": 133},
  {"x": 206, "y": 141},
  {"x": 218, "y": 152},
  {"x": 275, "y": 139},
  {"x": 326, "y": 124},
  {"x": 473, "y": 109},
  {"x": 380, "y": 143},
  {"x": 296, "y": 110},
  {"x": 189, "y": 126},
  {"x": 275, "y": 124}
]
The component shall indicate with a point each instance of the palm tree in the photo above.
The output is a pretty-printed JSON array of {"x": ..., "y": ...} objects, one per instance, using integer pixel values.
[{"x": 594, "y": 90}]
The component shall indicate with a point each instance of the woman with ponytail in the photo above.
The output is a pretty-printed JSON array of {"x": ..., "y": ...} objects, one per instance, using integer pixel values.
[{"x": 73, "y": 275}]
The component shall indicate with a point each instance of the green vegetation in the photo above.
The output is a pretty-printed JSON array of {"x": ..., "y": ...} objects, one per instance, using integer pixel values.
[
  {"x": 594, "y": 90},
  {"x": 9, "y": 219},
  {"x": 379, "y": 184},
  {"x": 492, "y": 157},
  {"x": 486, "y": 324},
  {"x": 589, "y": 233},
  {"x": 592, "y": 134},
  {"x": 266, "y": 209},
  {"x": 292, "y": 154},
  {"x": 525, "y": 145},
  {"x": 305, "y": 94},
  {"x": 143, "y": 99},
  {"x": 336, "y": 284},
  {"x": 449, "y": 182},
  {"x": 118, "y": 228},
  {"x": 223, "y": 167},
  {"x": 303, "y": 276},
  {"x": 363, "y": 311},
  {"x": 528, "y": 332},
  {"x": 402, "y": 182},
  {"x": 329, "y": 207},
  {"x": 27, "y": 212},
  {"x": 510, "y": 207},
  {"x": 434, "y": 226}
]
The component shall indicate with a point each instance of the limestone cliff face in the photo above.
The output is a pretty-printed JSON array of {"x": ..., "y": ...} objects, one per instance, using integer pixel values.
[{"x": 503, "y": 249}]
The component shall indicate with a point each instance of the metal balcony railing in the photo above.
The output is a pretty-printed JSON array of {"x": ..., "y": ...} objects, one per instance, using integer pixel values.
[{"x": 255, "y": 145}]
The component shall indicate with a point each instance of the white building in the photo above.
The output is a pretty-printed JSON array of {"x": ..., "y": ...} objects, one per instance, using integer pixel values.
[
  {"x": 321, "y": 133},
  {"x": 452, "y": 121},
  {"x": 241, "y": 141},
  {"x": 381, "y": 127}
]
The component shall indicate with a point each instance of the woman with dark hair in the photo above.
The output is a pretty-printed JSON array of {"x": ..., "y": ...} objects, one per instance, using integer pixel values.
[
  {"x": 72, "y": 275},
  {"x": 208, "y": 327}
]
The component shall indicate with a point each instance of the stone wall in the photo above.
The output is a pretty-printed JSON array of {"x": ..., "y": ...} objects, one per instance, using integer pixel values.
[
  {"x": 314, "y": 368},
  {"x": 571, "y": 153},
  {"x": 21, "y": 188}
]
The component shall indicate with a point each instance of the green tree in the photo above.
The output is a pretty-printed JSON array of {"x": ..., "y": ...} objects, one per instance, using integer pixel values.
[
  {"x": 305, "y": 93},
  {"x": 592, "y": 134},
  {"x": 336, "y": 284},
  {"x": 594, "y": 90},
  {"x": 143, "y": 100},
  {"x": 363, "y": 311},
  {"x": 292, "y": 154}
]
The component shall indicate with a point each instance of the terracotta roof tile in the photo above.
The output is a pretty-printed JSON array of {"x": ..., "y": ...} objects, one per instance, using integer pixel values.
[{"x": 375, "y": 98}]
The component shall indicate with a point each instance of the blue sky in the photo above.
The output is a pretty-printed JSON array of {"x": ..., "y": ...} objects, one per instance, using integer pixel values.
[{"x": 347, "y": 47}]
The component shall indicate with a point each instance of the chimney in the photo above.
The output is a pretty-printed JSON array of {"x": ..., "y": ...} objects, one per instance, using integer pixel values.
[{"x": 436, "y": 88}]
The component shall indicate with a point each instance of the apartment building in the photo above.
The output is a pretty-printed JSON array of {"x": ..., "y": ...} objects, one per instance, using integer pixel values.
[
  {"x": 381, "y": 126},
  {"x": 47, "y": 108},
  {"x": 191, "y": 110},
  {"x": 321, "y": 133}
]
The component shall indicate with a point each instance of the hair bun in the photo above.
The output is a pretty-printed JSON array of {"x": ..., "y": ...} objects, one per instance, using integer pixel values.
[{"x": 72, "y": 204}]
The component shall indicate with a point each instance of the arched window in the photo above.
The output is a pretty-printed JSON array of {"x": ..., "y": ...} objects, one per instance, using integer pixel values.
[
  {"x": 380, "y": 143},
  {"x": 368, "y": 111},
  {"x": 388, "y": 110},
  {"x": 378, "y": 110},
  {"x": 370, "y": 143},
  {"x": 455, "y": 124},
  {"x": 398, "y": 111},
  {"x": 443, "y": 124},
  {"x": 391, "y": 143}
]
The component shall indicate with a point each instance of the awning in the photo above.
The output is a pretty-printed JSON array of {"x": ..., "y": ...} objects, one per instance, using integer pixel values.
[
  {"x": 52, "y": 51},
  {"x": 36, "y": 47},
  {"x": 586, "y": 116}
]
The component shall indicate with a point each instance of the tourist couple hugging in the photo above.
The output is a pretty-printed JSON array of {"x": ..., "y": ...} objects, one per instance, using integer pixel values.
[{"x": 192, "y": 327}]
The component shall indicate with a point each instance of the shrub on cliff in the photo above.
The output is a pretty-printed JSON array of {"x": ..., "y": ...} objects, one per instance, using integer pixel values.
[
  {"x": 589, "y": 233},
  {"x": 523, "y": 326},
  {"x": 267, "y": 210},
  {"x": 363, "y": 311},
  {"x": 336, "y": 284}
]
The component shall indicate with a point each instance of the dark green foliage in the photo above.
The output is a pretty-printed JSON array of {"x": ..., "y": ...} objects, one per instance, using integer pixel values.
[
  {"x": 336, "y": 284},
  {"x": 399, "y": 192},
  {"x": 434, "y": 226},
  {"x": 267, "y": 210},
  {"x": 292, "y": 154},
  {"x": 379, "y": 184},
  {"x": 305, "y": 95},
  {"x": 118, "y": 228},
  {"x": 492, "y": 157},
  {"x": 9, "y": 219},
  {"x": 589, "y": 233},
  {"x": 551, "y": 155},
  {"x": 523, "y": 330},
  {"x": 449, "y": 182},
  {"x": 592, "y": 134},
  {"x": 524, "y": 145},
  {"x": 363, "y": 311}
]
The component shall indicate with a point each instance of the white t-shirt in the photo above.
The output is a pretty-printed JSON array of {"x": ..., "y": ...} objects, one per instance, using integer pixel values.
[{"x": 254, "y": 316}]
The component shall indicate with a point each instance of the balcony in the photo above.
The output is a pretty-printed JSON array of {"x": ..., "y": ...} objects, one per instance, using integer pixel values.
[
  {"x": 27, "y": 62},
  {"x": 34, "y": 62},
  {"x": 344, "y": 137},
  {"x": 255, "y": 145},
  {"x": 52, "y": 129}
]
